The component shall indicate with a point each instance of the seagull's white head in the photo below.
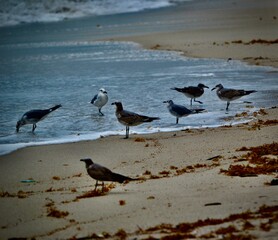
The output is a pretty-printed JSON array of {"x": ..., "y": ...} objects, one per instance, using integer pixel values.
[{"x": 102, "y": 90}]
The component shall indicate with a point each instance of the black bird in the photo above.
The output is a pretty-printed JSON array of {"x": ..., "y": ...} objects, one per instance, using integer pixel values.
[
  {"x": 192, "y": 92},
  {"x": 228, "y": 94},
  {"x": 101, "y": 173},
  {"x": 180, "y": 111},
  {"x": 34, "y": 116},
  {"x": 130, "y": 118}
]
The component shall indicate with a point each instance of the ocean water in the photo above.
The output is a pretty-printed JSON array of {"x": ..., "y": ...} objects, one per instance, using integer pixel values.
[
  {"x": 15, "y": 12},
  {"x": 64, "y": 63}
]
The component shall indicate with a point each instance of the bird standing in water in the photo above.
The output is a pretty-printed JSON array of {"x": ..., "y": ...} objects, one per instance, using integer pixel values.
[
  {"x": 192, "y": 92},
  {"x": 100, "y": 99},
  {"x": 128, "y": 118},
  {"x": 229, "y": 94},
  {"x": 34, "y": 116},
  {"x": 180, "y": 111}
]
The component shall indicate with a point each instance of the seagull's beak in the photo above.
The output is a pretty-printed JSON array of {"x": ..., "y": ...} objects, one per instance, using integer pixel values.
[{"x": 213, "y": 88}]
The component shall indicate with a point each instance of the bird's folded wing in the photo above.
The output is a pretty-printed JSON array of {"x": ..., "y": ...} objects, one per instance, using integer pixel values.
[
  {"x": 99, "y": 172},
  {"x": 192, "y": 90},
  {"x": 130, "y": 117},
  {"x": 230, "y": 93},
  {"x": 180, "y": 109},
  {"x": 94, "y": 98},
  {"x": 37, "y": 114}
]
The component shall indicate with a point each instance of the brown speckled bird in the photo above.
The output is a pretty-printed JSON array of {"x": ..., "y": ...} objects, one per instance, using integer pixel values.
[
  {"x": 130, "y": 118},
  {"x": 101, "y": 173},
  {"x": 228, "y": 94}
]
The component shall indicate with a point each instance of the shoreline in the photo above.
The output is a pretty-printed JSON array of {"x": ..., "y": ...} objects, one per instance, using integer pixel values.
[{"x": 231, "y": 121}]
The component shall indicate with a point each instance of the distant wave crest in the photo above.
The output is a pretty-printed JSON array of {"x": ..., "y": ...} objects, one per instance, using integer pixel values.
[{"x": 13, "y": 12}]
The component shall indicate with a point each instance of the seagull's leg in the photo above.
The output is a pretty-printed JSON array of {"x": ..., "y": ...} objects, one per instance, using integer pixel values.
[
  {"x": 96, "y": 185},
  {"x": 190, "y": 101},
  {"x": 102, "y": 187},
  {"x": 228, "y": 103},
  {"x": 100, "y": 113},
  {"x": 34, "y": 127},
  {"x": 177, "y": 121},
  {"x": 126, "y": 132},
  {"x": 198, "y": 101}
]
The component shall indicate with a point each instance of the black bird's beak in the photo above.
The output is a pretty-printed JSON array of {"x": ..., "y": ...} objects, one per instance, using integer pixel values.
[{"x": 206, "y": 86}]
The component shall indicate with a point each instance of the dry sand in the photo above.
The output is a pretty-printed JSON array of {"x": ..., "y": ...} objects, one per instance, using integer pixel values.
[{"x": 181, "y": 185}]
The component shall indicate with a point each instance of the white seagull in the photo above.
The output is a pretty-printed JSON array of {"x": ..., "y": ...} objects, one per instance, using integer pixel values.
[
  {"x": 180, "y": 111},
  {"x": 100, "y": 99}
]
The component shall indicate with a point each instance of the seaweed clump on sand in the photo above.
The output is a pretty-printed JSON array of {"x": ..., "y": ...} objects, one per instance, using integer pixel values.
[
  {"x": 234, "y": 226},
  {"x": 97, "y": 192},
  {"x": 261, "y": 160}
]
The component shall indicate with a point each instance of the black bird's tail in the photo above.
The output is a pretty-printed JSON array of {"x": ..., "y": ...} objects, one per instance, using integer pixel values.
[
  {"x": 150, "y": 119},
  {"x": 54, "y": 108},
  {"x": 120, "y": 178},
  {"x": 177, "y": 89},
  {"x": 198, "y": 110},
  {"x": 248, "y": 92}
]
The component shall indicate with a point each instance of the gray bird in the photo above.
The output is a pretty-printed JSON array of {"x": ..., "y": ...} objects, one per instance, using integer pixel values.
[
  {"x": 100, "y": 99},
  {"x": 180, "y": 111},
  {"x": 130, "y": 118},
  {"x": 101, "y": 173},
  {"x": 228, "y": 94},
  {"x": 34, "y": 116},
  {"x": 192, "y": 92}
]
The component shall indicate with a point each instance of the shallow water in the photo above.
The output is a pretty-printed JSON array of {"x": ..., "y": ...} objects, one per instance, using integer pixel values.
[{"x": 40, "y": 75}]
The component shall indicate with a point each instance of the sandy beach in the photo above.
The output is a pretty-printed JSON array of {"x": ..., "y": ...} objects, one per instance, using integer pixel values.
[
  {"x": 241, "y": 31},
  {"x": 202, "y": 183}
]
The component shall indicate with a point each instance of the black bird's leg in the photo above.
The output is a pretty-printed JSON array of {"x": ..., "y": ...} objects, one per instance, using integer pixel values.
[
  {"x": 177, "y": 121},
  {"x": 34, "y": 127},
  {"x": 126, "y": 132},
  {"x": 228, "y": 103},
  {"x": 191, "y": 102},
  {"x": 102, "y": 187},
  {"x": 198, "y": 101},
  {"x": 96, "y": 185},
  {"x": 100, "y": 113}
]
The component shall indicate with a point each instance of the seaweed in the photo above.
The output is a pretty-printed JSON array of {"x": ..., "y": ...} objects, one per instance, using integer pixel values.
[{"x": 261, "y": 160}]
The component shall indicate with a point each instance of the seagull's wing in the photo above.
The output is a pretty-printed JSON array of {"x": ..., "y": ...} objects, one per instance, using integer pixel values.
[
  {"x": 193, "y": 90},
  {"x": 180, "y": 110},
  {"x": 36, "y": 114},
  {"x": 231, "y": 93},
  {"x": 131, "y": 118},
  {"x": 94, "y": 99},
  {"x": 99, "y": 172}
]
